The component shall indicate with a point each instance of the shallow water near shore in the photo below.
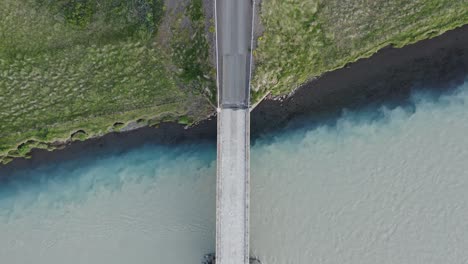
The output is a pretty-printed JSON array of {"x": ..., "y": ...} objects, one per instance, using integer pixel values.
[{"x": 382, "y": 185}]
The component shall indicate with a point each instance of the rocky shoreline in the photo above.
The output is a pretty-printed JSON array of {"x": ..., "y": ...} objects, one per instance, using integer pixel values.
[{"x": 390, "y": 74}]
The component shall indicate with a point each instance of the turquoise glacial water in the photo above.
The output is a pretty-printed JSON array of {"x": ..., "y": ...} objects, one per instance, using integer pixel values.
[{"x": 381, "y": 185}]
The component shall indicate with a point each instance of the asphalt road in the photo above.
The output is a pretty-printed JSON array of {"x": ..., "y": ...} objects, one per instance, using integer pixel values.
[{"x": 234, "y": 35}]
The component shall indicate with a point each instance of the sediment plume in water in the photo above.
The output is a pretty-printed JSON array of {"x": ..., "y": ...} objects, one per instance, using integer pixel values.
[{"x": 379, "y": 185}]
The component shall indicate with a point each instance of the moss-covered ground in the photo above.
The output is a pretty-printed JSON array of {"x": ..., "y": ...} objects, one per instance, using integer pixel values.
[
  {"x": 304, "y": 38},
  {"x": 73, "y": 69}
]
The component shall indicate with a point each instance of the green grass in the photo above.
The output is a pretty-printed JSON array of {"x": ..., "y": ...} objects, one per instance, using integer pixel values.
[
  {"x": 184, "y": 120},
  {"x": 305, "y": 38},
  {"x": 74, "y": 69}
]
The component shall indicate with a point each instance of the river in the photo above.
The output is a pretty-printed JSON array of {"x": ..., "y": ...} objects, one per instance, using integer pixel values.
[{"x": 379, "y": 185}]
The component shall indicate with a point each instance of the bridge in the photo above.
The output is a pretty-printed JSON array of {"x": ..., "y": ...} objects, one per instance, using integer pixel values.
[{"x": 233, "y": 46}]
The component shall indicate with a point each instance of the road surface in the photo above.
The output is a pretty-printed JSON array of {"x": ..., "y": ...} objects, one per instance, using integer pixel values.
[{"x": 233, "y": 38}]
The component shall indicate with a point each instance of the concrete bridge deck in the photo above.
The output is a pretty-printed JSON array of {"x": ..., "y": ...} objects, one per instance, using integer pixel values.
[
  {"x": 232, "y": 205},
  {"x": 233, "y": 40}
]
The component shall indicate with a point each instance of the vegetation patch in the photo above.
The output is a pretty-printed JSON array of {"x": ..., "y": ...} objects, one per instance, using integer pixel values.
[
  {"x": 118, "y": 126},
  {"x": 184, "y": 120},
  {"x": 135, "y": 16},
  {"x": 79, "y": 135},
  {"x": 305, "y": 38},
  {"x": 69, "y": 65}
]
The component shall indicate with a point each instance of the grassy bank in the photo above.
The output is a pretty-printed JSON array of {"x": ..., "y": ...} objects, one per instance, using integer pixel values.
[
  {"x": 73, "y": 69},
  {"x": 303, "y": 39}
]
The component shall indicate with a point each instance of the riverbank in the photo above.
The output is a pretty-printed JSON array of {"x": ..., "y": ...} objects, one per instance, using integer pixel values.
[
  {"x": 392, "y": 73},
  {"x": 73, "y": 71},
  {"x": 304, "y": 39}
]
